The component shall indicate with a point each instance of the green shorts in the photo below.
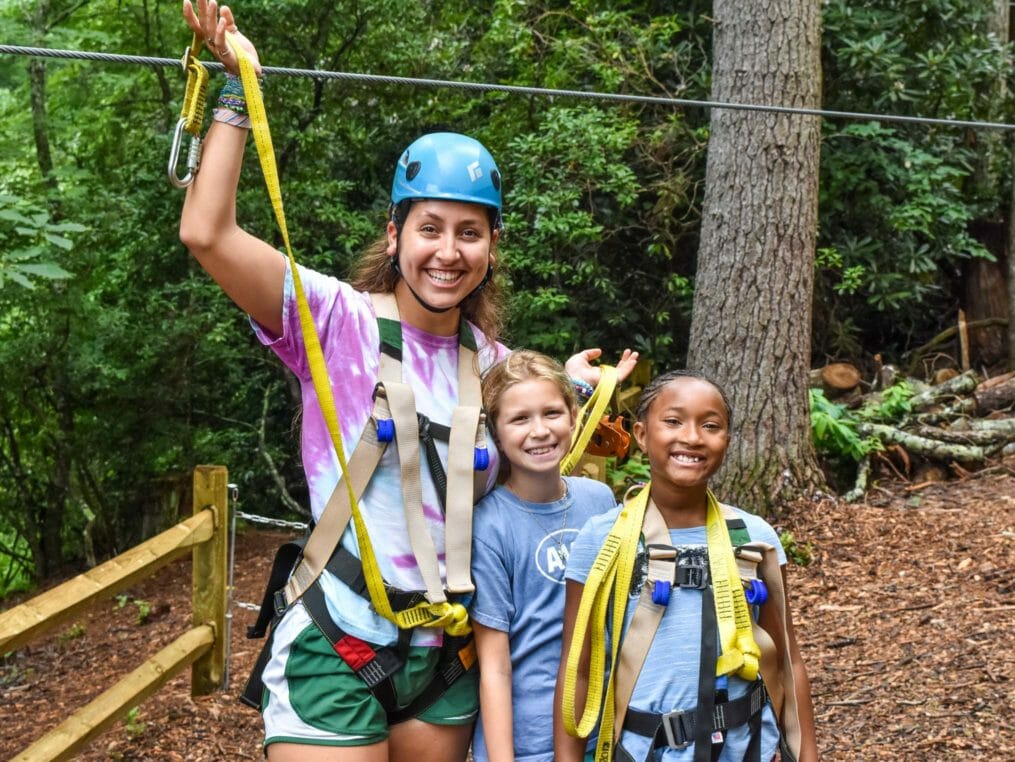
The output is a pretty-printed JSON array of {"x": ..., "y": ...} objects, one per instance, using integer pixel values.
[{"x": 313, "y": 697}]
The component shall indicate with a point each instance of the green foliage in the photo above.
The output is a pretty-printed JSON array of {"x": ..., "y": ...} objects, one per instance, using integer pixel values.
[
  {"x": 15, "y": 564},
  {"x": 75, "y": 631},
  {"x": 633, "y": 471},
  {"x": 27, "y": 238},
  {"x": 897, "y": 201},
  {"x": 144, "y": 608},
  {"x": 893, "y": 406},
  {"x": 132, "y": 723},
  {"x": 834, "y": 429},
  {"x": 799, "y": 553}
]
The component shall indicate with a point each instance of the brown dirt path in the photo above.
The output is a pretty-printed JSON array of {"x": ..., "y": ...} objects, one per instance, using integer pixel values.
[{"x": 905, "y": 618}]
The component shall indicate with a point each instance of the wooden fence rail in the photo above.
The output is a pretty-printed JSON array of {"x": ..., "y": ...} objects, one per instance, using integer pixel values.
[{"x": 203, "y": 646}]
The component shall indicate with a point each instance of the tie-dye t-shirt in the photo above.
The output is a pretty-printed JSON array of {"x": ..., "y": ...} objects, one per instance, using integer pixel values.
[{"x": 347, "y": 327}]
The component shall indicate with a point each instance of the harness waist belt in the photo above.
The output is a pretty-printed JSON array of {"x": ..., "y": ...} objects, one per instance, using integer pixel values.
[{"x": 678, "y": 727}]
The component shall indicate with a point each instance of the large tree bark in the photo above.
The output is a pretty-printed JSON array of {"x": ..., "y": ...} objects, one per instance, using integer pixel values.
[
  {"x": 983, "y": 285},
  {"x": 751, "y": 323}
]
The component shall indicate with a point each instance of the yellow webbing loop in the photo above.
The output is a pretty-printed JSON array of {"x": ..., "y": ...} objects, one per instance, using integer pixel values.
[
  {"x": 609, "y": 581},
  {"x": 589, "y": 417},
  {"x": 196, "y": 91},
  {"x": 191, "y": 117},
  {"x": 452, "y": 617}
]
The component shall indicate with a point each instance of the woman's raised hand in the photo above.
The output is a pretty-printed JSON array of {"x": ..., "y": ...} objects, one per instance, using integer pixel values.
[
  {"x": 210, "y": 22},
  {"x": 580, "y": 365}
]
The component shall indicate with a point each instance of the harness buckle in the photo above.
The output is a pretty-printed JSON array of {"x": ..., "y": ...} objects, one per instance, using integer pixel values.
[
  {"x": 679, "y": 729},
  {"x": 280, "y": 602},
  {"x": 692, "y": 571}
]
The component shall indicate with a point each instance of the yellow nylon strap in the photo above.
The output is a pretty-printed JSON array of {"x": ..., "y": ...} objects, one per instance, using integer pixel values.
[
  {"x": 196, "y": 91},
  {"x": 452, "y": 617},
  {"x": 739, "y": 654},
  {"x": 589, "y": 417},
  {"x": 610, "y": 579}
]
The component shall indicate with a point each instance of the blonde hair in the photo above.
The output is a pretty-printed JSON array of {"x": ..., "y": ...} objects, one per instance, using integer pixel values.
[
  {"x": 520, "y": 366},
  {"x": 373, "y": 273}
]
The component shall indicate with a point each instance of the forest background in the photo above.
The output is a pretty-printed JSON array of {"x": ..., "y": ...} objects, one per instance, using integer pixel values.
[{"x": 122, "y": 365}]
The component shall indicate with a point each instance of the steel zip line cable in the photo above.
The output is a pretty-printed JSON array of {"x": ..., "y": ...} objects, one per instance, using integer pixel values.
[{"x": 17, "y": 50}]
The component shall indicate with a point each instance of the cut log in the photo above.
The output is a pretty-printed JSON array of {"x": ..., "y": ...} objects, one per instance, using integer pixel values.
[
  {"x": 928, "y": 448},
  {"x": 990, "y": 383},
  {"x": 840, "y": 376},
  {"x": 956, "y": 387},
  {"x": 998, "y": 397}
]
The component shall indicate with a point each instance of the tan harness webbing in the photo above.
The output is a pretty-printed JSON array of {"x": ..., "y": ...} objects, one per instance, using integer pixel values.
[
  {"x": 395, "y": 399},
  {"x": 776, "y": 667},
  {"x": 647, "y": 615}
]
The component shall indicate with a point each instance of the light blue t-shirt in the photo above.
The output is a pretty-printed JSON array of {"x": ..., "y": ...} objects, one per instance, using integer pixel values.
[
  {"x": 669, "y": 679},
  {"x": 347, "y": 328},
  {"x": 519, "y": 553}
]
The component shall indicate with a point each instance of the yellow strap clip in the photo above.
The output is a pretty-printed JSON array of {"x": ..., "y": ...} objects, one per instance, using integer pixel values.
[{"x": 191, "y": 116}]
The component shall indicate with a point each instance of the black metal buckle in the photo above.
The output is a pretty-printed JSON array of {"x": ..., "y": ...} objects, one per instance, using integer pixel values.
[
  {"x": 692, "y": 571},
  {"x": 679, "y": 729}
]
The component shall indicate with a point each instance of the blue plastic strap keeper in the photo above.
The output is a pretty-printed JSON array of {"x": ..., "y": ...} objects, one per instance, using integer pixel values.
[
  {"x": 385, "y": 429},
  {"x": 756, "y": 592},
  {"x": 481, "y": 459},
  {"x": 661, "y": 592}
]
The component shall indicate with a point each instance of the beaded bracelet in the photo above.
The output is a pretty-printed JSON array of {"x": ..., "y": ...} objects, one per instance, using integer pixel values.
[
  {"x": 232, "y": 103},
  {"x": 583, "y": 388}
]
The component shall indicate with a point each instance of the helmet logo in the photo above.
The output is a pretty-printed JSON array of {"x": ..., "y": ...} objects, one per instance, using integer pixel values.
[{"x": 474, "y": 171}]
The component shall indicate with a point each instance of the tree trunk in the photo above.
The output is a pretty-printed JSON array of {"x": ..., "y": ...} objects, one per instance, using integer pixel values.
[{"x": 751, "y": 322}]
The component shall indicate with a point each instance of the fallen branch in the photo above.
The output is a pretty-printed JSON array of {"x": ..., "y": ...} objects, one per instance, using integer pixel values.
[
  {"x": 860, "y": 485},
  {"x": 961, "y": 384},
  {"x": 1005, "y": 425},
  {"x": 928, "y": 448},
  {"x": 979, "y": 438}
]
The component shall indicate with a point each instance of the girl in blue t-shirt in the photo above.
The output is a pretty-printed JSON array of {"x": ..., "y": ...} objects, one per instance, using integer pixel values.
[
  {"x": 522, "y": 532},
  {"x": 692, "y": 618}
]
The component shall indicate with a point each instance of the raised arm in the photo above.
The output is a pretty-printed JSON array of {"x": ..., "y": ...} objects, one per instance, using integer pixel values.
[{"x": 249, "y": 270}]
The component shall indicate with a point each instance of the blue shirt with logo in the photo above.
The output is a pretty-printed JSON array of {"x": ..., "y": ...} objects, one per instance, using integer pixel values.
[{"x": 519, "y": 554}]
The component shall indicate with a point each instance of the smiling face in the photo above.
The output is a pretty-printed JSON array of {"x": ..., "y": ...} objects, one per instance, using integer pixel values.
[
  {"x": 685, "y": 434},
  {"x": 444, "y": 251},
  {"x": 533, "y": 429}
]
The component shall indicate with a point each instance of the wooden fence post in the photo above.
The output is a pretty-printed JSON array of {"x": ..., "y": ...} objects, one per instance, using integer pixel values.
[{"x": 210, "y": 578}]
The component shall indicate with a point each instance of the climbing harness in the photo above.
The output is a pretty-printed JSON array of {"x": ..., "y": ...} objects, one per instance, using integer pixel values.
[
  {"x": 745, "y": 649},
  {"x": 191, "y": 116}
]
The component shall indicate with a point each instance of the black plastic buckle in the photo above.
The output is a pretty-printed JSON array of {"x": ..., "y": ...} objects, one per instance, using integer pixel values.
[
  {"x": 692, "y": 571},
  {"x": 280, "y": 603},
  {"x": 679, "y": 729}
]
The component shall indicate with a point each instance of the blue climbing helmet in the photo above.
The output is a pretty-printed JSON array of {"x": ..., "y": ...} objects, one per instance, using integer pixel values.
[{"x": 448, "y": 166}]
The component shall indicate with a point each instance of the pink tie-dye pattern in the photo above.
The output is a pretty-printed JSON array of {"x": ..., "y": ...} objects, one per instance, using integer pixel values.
[{"x": 348, "y": 333}]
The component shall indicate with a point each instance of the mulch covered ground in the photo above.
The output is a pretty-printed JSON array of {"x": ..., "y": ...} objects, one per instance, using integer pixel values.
[{"x": 906, "y": 618}]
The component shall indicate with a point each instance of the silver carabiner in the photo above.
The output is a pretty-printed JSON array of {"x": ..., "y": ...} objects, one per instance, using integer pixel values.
[{"x": 193, "y": 157}]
